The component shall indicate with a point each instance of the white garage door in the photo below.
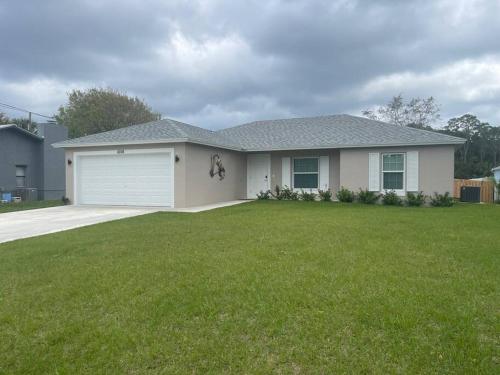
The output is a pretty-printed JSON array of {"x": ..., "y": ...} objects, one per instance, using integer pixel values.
[{"x": 131, "y": 178}]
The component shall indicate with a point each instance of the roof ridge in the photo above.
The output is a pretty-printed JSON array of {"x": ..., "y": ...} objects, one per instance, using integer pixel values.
[
  {"x": 283, "y": 119},
  {"x": 416, "y": 130}
]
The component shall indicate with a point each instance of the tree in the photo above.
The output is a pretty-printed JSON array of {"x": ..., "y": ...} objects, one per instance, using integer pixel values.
[
  {"x": 466, "y": 126},
  {"x": 480, "y": 152},
  {"x": 4, "y": 119},
  {"x": 23, "y": 123},
  {"x": 417, "y": 113},
  {"x": 97, "y": 110}
]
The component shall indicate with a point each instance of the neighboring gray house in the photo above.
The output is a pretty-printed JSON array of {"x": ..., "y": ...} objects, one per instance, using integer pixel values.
[
  {"x": 169, "y": 163},
  {"x": 29, "y": 166}
]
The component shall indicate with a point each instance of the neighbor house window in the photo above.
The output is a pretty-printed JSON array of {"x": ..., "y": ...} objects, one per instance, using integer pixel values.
[
  {"x": 393, "y": 171},
  {"x": 20, "y": 176},
  {"x": 305, "y": 173}
]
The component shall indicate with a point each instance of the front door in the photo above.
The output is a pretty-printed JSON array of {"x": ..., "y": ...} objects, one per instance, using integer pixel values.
[{"x": 258, "y": 174}]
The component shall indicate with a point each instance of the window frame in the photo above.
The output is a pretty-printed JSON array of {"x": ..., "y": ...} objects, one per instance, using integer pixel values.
[
  {"x": 315, "y": 189},
  {"x": 403, "y": 171},
  {"x": 23, "y": 168}
]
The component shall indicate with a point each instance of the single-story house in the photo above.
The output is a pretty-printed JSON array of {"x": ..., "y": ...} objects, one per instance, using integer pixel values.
[
  {"x": 29, "y": 166},
  {"x": 169, "y": 163}
]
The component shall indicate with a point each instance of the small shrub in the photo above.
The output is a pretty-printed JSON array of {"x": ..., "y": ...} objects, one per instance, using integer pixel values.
[
  {"x": 368, "y": 197},
  {"x": 415, "y": 200},
  {"x": 277, "y": 193},
  {"x": 325, "y": 195},
  {"x": 442, "y": 200},
  {"x": 390, "y": 198},
  {"x": 305, "y": 196},
  {"x": 294, "y": 196},
  {"x": 345, "y": 195},
  {"x": 286, "y": 193},
  {"x": 65, "y": 200},
  {"x": 264, "y": 195}
]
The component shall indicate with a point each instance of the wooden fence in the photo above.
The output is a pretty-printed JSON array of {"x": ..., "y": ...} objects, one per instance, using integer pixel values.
[{"x": 487, "y": 189}]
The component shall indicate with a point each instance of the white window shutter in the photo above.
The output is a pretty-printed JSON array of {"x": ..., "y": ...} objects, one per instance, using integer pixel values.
[
  {"x": 324, "y": 172},
  {"x": 285, "y": 172},
  {"x": 374, "y": 171},
  {"x": 412, "y": 171}
]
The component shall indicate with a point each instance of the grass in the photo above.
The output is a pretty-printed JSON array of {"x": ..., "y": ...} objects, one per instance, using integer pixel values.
[
  {"x": 28, "y": 205},
  {"x": 264, "y": 287}
]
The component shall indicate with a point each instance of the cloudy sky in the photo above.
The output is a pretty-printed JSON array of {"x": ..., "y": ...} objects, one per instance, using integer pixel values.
[{"x": 220, "y": 63}]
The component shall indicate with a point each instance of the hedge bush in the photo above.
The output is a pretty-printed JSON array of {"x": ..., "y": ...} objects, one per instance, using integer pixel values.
[{"x": 345, "y": 195}]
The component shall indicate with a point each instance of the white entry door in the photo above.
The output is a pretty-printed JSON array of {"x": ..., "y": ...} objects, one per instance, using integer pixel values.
[
  {"x": 258, "y": 174},
  {"x": 128, "y": 178}
]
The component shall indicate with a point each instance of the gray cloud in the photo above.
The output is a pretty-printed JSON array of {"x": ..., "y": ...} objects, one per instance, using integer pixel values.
[{"x": 218, "y": 63}]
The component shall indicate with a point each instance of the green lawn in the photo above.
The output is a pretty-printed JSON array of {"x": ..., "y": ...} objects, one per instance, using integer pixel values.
[
  {"x": 28, "y": 205},
  {"x": 264, "y": 287}
]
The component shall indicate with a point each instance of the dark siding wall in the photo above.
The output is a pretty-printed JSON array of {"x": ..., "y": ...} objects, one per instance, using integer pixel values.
[
  {"x": 19, "y": 149},
  {"x": 53, "y": 171}
]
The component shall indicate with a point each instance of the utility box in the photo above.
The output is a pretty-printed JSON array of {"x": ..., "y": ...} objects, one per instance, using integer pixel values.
[{"x": 470, "y": 194}]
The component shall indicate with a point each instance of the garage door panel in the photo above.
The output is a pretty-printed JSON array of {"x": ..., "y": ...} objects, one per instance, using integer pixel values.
[{"x": 139, "y": 179}]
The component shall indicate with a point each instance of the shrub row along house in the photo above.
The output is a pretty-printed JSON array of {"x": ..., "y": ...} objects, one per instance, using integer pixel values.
[{"x": 172, "y": 164}]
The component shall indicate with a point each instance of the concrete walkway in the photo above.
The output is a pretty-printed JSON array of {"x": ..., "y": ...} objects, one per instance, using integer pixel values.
[{"x": 30, "y": 223}]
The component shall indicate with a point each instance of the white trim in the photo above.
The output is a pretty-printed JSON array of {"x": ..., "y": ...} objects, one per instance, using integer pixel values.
[
  {"x": 336, "y": 147},
  {"x": 402, "y": 191},
  {"x": 412, "y": 171},
  {"x": 286, "y": 174},
  {"x": 148, "y": 142},
  {"x": 78, "y": 154},
  {"x": 374, "y": 171},
  {"x": 312, "y": 147}
]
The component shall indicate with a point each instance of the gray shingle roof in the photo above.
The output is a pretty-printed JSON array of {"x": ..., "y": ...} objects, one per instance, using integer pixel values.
[
  {"x": 336, "y": 131},
  {"x": 160, "y": 131}
]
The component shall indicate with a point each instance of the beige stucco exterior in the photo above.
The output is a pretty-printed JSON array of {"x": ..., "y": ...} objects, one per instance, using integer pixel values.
[
  {"x": 193, "y": 185},
  {"x": 199, "y": 188},
  {"x": 436, "y": 167}
]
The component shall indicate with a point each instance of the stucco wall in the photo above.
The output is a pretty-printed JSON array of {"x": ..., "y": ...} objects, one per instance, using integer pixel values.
[
  {"x": 334, "y": 170},
  {"x": 192, "y": 184},
  {"x": 349, "y": 168},
  {"x": 200, "y": 188},
  {"x": 436, "y": 167}
]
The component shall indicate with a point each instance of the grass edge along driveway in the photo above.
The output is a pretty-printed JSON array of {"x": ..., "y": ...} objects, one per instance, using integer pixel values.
[{"x": 28, "y": 205}]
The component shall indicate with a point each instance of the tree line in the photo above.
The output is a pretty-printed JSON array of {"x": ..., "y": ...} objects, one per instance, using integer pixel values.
[{"x": 479, "y": 154}]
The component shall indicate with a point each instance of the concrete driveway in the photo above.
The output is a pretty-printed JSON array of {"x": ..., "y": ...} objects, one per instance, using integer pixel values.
[{"x": 29, "y": 223}]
